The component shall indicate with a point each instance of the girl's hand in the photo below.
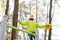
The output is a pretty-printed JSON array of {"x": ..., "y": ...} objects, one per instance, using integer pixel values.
[{"x": 48, "y": 26}]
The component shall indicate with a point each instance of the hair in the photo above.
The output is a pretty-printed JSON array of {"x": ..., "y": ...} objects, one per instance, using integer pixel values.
[{"x": 31, "y": 18}]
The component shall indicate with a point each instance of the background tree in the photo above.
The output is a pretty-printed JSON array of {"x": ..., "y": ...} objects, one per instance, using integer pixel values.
[
  {"x": 6, "y": 13},
  {"x": 50, "y": 11},
  {"x": 7, "y": 7},
  {"x": 15, "y": 19}
]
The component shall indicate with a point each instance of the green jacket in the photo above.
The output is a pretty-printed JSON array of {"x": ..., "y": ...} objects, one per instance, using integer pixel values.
[{"x": 31, "y": 25}]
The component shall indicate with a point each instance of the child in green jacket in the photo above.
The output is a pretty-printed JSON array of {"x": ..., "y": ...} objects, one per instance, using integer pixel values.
[{"x": 32, "y": 25}]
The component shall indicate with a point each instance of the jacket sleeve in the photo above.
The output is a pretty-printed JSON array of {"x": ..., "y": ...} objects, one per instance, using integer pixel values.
[
  {"x": 22, "y": 23},
  {"x": 40, "y": 25}
]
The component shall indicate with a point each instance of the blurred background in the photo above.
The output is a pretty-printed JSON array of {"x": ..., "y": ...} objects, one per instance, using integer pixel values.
[{"x": 44, "y": 11}]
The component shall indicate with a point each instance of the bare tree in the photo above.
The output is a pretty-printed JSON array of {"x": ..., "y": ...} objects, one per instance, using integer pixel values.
[
  {"x": 50, "y": 11},
  {"x": 7, "y": 7},
  {"x": 15, "y": 19},
  {"x": 6, "y": 13},
  {"x": 45, "y": 34}
]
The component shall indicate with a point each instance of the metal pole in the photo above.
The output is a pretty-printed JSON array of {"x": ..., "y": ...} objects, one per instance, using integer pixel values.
[{"x": 3, "y": 28}]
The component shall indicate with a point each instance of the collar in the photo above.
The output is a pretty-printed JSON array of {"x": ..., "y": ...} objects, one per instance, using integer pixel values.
[{"x": 31, "y": 19}]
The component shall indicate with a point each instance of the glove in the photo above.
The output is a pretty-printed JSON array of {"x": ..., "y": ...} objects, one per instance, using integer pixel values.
[{"x": 48, "y": 26}]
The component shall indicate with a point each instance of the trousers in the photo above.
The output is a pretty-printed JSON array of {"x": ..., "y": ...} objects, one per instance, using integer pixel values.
[{"x": 31, "y": 37}]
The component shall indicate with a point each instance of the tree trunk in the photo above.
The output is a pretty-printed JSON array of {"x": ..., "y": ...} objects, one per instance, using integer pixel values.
[
  {"x": 6, "y": 13},
  {"x": 15, "y": 19},
  {"x": 45, "y": 34},
  {"x": 50, "y": 11},
  {"x": 7, "y": 7}
]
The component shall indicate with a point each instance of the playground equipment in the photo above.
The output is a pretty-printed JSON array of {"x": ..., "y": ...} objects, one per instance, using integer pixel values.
[
  {"x": 3, "y": 28},
  {"x": 4, "y": 25}
]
